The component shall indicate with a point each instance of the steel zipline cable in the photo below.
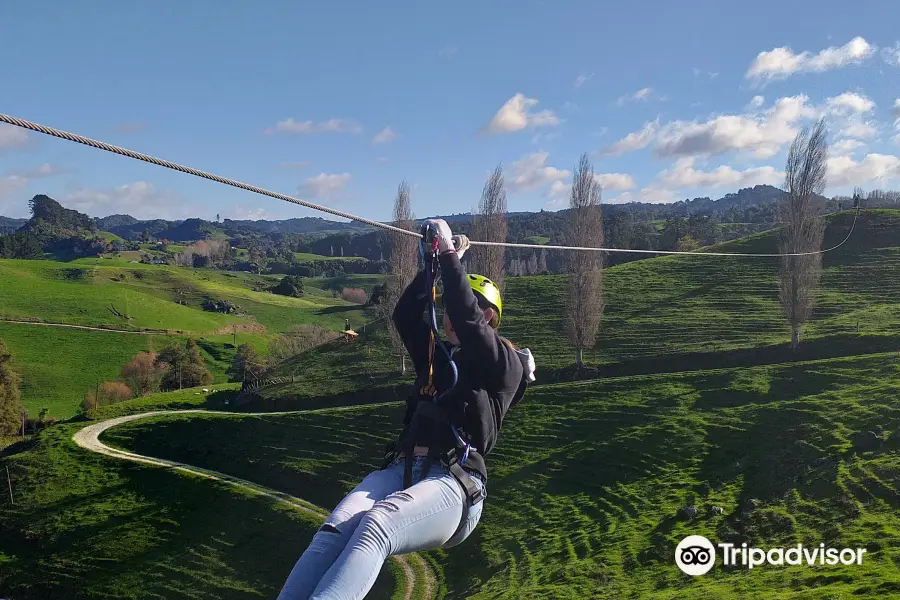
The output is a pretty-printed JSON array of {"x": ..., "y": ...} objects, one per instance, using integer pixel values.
[{"x": 73, "y": 137}]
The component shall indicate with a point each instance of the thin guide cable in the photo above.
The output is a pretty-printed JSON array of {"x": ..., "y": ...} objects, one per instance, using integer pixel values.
[{"x": 74, "y": 137}]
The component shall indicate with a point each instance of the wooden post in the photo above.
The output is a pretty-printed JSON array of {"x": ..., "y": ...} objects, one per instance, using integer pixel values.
[{"x": 9, "y": 481}]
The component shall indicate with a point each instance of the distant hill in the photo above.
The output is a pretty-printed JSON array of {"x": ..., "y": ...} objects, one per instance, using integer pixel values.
[{"x": 8, "y": 225}]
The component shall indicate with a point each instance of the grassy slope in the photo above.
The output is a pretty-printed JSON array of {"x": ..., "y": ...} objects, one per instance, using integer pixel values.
[
  {"x": 594, "y": 471},
  {"x": 87, "y": 526},
  {"x": 58, "y": 365},
  {"x": 587, "y": 480},
  {"x": 674, "y": 313}
]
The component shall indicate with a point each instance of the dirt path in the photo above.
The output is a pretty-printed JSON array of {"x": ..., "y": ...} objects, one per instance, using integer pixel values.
[
  {"x": 89, "y": 438},
  {"x": 148, "y": 332}
]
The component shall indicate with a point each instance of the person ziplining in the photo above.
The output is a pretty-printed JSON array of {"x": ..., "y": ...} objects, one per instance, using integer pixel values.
[{"x": 430, "y": 490}]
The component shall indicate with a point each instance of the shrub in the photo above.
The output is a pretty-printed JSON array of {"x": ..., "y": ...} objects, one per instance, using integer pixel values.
[{"x": 354, "y": 295}]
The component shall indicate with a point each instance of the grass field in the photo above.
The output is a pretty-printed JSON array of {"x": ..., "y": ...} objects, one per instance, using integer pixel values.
[
  {"x": 691, "y": 392},
  {"x": 58, "y": 365},
  {"x": 586, "y": 484}
]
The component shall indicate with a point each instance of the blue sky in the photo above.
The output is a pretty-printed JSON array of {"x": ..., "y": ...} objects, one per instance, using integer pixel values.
[{"x": 339, "y": 102}]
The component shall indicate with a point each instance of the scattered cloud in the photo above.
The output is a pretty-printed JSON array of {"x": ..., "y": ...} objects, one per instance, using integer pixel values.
[
  {"x": 582, "y": 79},
  {"x": 849, "y": 102},
  {"x": 517, "y": 115},
  {"x": 129, "y": 127},
  {"x": 652, "y": 194},
  {"x": 683, "y": 174},
  {"x": 324, "y": 185},
  {"x": 861, "y": 130},
  {"x": 12, "y": 137},
  {"x": 560, "y": 190},
  {"x": 243, "y": 213},
  {"x": 846, "y": 146},
  {"x": 448, "y": 51},
  {"x": 384, "y": 136},
  {"x": 290, "y": 126},
  {"x": 641, "y": 94},
  {"x": 615, "y": 181},
  {"x": 760, "y": 134},
  {"x": 780, "y": 63},
  {"x": 295, "y": 164},
  {"x": 633, "y": 141},
  {"x": 757, "y": 101},
  {"x": 845, "y": 171},
  {"x": 140, "y": 199},
  {"x": 892, "y": 55},
  {"x": 531, "y": 172}
]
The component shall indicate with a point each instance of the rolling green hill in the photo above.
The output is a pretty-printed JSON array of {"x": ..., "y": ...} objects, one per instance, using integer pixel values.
[
  {"x": 59, "y": 364},
  {"x": 676, "y": 313},
  {"x": 587, "y": 481},
  {"x": 691, "y": 391}
]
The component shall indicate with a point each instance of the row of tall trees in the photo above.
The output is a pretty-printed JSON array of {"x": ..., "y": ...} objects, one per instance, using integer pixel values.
[{"x": 801, "y": 210}]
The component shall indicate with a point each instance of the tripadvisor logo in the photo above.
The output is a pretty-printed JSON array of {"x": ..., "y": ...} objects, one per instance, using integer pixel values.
[{"x": 696, "y": 555}]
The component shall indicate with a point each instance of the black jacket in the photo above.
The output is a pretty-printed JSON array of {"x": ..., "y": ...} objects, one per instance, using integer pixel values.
[{"x": 492, "y": 378}]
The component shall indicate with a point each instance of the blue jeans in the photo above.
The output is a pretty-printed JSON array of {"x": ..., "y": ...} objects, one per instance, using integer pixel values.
[{"x": 376, "y": 520}]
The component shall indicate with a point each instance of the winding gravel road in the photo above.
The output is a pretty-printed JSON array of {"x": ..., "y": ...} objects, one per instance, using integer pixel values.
[{"x": 89, "y": 438}]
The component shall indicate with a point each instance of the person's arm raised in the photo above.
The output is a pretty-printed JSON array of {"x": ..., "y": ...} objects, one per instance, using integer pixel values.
[{"x": 408, "y": 317}]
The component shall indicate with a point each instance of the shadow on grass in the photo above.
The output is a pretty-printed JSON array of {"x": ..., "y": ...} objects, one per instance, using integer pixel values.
[{"x": 835, "y": 346}]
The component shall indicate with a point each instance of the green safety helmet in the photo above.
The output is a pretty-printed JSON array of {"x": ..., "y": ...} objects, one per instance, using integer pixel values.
[{"x": 487, "y": 290}]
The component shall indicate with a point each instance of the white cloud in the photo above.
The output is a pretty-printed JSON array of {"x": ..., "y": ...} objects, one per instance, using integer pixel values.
[
  {"x": 757, "y": 101},
  {"x": 780, "y": 63},
  {"x": 858, "y": 129},
  {"x": 531, "y": 172},
  {"x": 641, "y": 94},
  {"x": 560, "y": 191},
  {"x": 516, "y": 115},
  {"x": 582, "y": 79},
  {"x": 290, "y": 126},
  {"x": 844, "y": 171},
  {"x": 11, "y": 136},
  {"x": 139, "y": 199},
  {"x": 324, "y": 185},
  {"x": 683, "y": 174},
  {"x": 634, "y": 141},
  {"x": 892, "y": 55},
  {"x": 243, "y": 213},
  {"x": 761, "y": 135},
  {"x": 849, "y": 102},
  {"x": 652, "y": 194},
  {"x": 615, "y": 181},
  {"x": 384, "y": 136},
  {"x": 846, "y": 146}
]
